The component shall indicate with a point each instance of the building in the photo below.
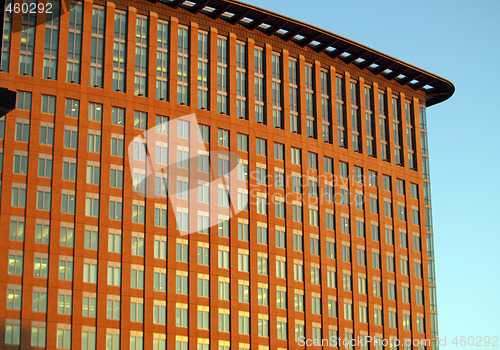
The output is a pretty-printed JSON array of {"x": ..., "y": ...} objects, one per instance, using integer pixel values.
[{"x": 326, "y": 225}]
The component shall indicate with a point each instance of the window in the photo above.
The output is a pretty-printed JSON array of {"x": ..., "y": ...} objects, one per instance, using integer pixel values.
[
  {"x": 262, "y": 235},
  {"x": 64, "y": 337},
  {"x": 415, "y": 217},
  {"x": 279, "y": 151},
  {"x": 417, "y": 244},
  {"x": 362, "y": 285},
  {"x": 71, "y": 139},
  {"x": 223, "y": 290},
  {"x": 223, "y": 138},
  {"x": 316, "y": 305},
  {"x": 281, "y": 299},
  {"x": 243, "y": 262},
  {"x": 203, "y": 286},
  {"x": 404, "y": 267},
  {"x": 224, "y": 322},
  {"x": 17, "y": 229},
  {"x": 242, "y": 142},
  {"x": 414, "y": 190},
  {"x": 389, "y": 236},
  {"x": 388, "y": 209},
  {"x": 402, "y": 212},
  {"x": 330, "y": 250},
  {"x": 136, "y": 310},
  {"x": 113, "y": 307},
  {"x": 282, "y": 330},
  {"x": 45, "y": 166},
  {"x": 244, "y": 325},
  {"x": 22, "y": 132},
  {"x": 40, "y": 267},
  {"x": 375, "y": 233},
  {"x": 387, "y": 183},
  {"x": 345, "y": 225},
  {"x": 119, "y": 51},
  {"x": 14, "y": 298},
  {"x": 64, "y": 303},
  {"x": 140, "y": 120},
  {"x": 360, "y": 229},
  {"x": 390, "y": 264},
  {"x": 15, "y": 264},
  {"x": 183, "y": 77},
  {"x": 27, "y": 43},
  {"x": 259, "y": 86},
  {"x": 261, "y": 205},
  {"x": 75, "y": 43},
  {"x": 39, "y": 300},
  {"x": 117, "y": 147},
  {"x": 12, "y": 332},
  {"x": 162, "y": 60},
  {"x": 203, "y": 55},
  {"x": 310, "y": 101},
  {"x": 378, "y": 317},
  {"x": 91, "y": 206},
  {"x": 263, "y": 327},
  {"x": 141, "y": 56},
  {"x": 20, "y": 164},
  {"x": 72, "y": 108},
  {"x": 391, "y": 291},
  {"x": 315, "y": 275},
  {"x": 346, "y": 253},
  {"x": 298, "y": 244},
  {"x": 373, "y": 205},
  {"x": 296, "y": 156},
  {"x": 114, "y": 242},
  {"x": 401, "y": 186},
  {"x": 90, "y": 272},
  {"x": 298, "y": 272},
  {"x": 47, "y": 134},
  {"x": 376, "y": 260},
  {"x": 114, "y": 275},
  {"x": 95, "y": 112},
  {"x": 299, "y": 302},
  {"x": 312, "y": 160},
  {"x": 405, "y": 294},
  {"x": 361, "y": 257},
  {"x": 38, "y": 335},
  {"x": 18, "y": 196},
  {"x": 261, "y": 147},
  {"x": 137, "y": 245},
  {"x": 280, "y": 269},
  {"x": 43, "y": 199},
  {"x": 182, "y": 252},
  {"x": 263, "y": 296},
  {"x": 89, "y": 306},
  {"x": 66, "y": 236},
  {"x": 160, "y": 281},
  {"x": 137, "y": 277},
  {"x": 181, "y": 316},
  {"x": 296, "y": 213},
  {"x": 262, "y": 265},
  {"x": 7, "y": 32},
  {"x": 138, "y": 213},
  {"x": 68, "y": 203}
]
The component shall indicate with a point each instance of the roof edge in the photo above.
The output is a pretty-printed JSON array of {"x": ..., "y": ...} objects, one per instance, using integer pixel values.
[{"x": 436, "y": 88}]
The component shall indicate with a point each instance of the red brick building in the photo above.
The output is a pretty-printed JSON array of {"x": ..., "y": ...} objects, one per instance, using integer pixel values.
[{"x": 328, "y": 232}]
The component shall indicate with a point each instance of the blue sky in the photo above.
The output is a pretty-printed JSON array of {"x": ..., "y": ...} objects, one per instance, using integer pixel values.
[{"x": 458, "y": 40}]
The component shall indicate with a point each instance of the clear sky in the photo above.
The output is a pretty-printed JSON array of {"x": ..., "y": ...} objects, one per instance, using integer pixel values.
[{"x": 460, "y": 41}]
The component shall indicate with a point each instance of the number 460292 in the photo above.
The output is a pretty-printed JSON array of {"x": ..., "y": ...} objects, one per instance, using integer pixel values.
[{"x": 29, "y": 8}]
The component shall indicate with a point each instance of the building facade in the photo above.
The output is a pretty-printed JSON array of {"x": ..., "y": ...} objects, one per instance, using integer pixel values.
[{"x": 323, "y": 230}]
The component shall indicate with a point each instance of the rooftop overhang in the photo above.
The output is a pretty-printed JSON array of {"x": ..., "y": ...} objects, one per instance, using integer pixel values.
[
  {"x": 7, "y": 101},
  {"x": 436, "y": 88}
]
